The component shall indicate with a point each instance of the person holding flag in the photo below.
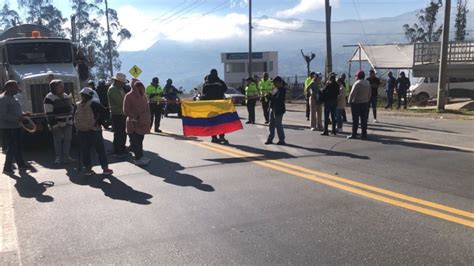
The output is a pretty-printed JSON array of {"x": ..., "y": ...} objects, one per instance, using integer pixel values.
[
  {"x": 214, "y": 89},
  {"x": 213, "y": 115},
  {"x": 265, "y": 87}
]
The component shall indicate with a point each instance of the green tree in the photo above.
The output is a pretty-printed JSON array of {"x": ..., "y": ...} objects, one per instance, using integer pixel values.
[
  {"x": 427, "y": 30},
  {"x": 43, "y": 12},
  {"x": 118, "y": 35},
  {"x": 8, "y": 17},
  {"x": 461, "y": 20}
]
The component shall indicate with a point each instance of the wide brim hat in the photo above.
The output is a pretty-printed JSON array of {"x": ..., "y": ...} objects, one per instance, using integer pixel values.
[{"x": 120, "y": 77}]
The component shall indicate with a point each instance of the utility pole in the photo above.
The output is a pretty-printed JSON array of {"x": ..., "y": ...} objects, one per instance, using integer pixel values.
[
  {"x": 443, "y": 62},
  {"x": 111, "y": 65},
  {"x": 250, "y": 39},
  {"x": 328, "y": 39}
]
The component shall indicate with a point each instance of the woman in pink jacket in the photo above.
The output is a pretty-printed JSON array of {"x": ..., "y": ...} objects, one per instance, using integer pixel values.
[{"x": 135, "y": 108}]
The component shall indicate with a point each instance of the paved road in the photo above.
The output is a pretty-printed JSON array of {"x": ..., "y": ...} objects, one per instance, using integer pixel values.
[{"x": 403, "y": 197}]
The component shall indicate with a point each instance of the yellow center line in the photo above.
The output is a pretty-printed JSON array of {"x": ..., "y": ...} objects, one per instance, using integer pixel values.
[
  {"x": 357, "y": 184},
  {"x": 245, "y": 156}
]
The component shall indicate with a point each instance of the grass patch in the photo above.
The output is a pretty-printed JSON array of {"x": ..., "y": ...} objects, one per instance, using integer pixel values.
[{"x": 434, "y": 111}]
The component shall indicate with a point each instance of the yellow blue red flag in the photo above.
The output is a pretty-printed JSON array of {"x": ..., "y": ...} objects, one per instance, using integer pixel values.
[{"x": 209, "y": 118}]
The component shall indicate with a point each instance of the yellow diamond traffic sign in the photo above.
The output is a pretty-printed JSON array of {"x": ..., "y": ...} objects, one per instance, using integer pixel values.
[{"x": 135, "y": 71}]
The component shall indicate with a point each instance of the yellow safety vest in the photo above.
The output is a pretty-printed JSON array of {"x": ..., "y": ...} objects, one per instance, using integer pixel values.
[
  {"x": 251, "y": 90},
  {"x": 307, "y": 84},
  {"x": 265, "y": 87}
]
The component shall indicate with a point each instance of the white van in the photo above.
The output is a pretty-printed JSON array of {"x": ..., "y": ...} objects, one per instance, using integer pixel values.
[{"x": 427, "y": 88}]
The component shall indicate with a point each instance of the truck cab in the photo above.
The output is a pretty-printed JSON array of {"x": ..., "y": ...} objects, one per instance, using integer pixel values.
[{"x": 29, "y": 55}]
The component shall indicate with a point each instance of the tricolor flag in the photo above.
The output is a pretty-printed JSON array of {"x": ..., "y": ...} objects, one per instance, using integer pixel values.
[{"x": 209, "y": 118}]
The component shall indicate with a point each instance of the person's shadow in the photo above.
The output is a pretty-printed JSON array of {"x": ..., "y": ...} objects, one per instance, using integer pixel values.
[
  {"x": 169, "y": 171},
  {"x": 28, "y": 187},
  {"x": 114, "y": 189}
]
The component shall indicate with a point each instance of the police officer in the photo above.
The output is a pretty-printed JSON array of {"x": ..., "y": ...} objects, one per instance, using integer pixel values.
[
  {"x": 307, "y": 92},
  {"x": 251, "y": 92},
  {"x": 265, "y": 87},
  {"x": 154, "y": 93}
]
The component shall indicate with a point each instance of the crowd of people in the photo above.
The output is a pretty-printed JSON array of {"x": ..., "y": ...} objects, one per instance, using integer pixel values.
[{"x": 133, "y": 110}]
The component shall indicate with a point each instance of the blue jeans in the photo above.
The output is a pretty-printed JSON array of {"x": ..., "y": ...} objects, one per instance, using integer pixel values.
[
  {"x": 89, "y": 139},
  {"x": 389, "y": 99},
  {"x": 339, "y": 117},
  {"x": 276, "y": 123},
  {"x": 330, "y": 109},
  {"x": 373, "y": 103}
]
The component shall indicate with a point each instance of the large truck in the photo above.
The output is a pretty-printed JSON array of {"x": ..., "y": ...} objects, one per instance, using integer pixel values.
[{"x": 32, "y": 56}]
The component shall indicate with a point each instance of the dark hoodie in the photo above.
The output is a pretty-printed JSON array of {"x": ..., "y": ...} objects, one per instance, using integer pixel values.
[{"x": 214, "y": 88}]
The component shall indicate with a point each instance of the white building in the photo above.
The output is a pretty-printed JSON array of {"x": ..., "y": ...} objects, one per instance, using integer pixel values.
[{"x": 236, "y": 66}]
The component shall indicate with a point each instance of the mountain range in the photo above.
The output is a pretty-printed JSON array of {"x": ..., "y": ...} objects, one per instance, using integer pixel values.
[{"x": 188, "y": 63}]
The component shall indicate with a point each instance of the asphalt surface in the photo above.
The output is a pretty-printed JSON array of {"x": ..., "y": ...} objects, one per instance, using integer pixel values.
[{"x": 405, "y": 196}]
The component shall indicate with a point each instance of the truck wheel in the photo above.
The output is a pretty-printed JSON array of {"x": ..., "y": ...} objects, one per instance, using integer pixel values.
[{"x": 422, "y": 98}]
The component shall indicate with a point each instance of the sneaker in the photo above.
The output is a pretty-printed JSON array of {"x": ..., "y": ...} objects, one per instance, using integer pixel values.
[
  {"x": 375, "y": 120},
  {"x": 8, "y": 172},
  {"x": 313, "y": 129},
  {"x": 325, "y": 133},
  {"x": 268, "y": 142},
  {"x": 158, "y": 131},
  {"x": 57, "y": 161},
  {"x": 223, "y": 141},
  {"x": 351, "y": 137},
  {"x": 107, "y": 171},
  {"x": 69, "y": 159},
  {"x": 215, "y": 140}
]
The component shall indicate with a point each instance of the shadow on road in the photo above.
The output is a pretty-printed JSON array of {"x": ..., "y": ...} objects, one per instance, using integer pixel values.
[
  {"x": 169, "y": 171},
  {"x": 28, "y": 187},
  {"x": 410, "y": 142},
  {"x": 330, "y": 152},
  {"x": 405, "y": 127},
  {"x": 114, "y": 188}
]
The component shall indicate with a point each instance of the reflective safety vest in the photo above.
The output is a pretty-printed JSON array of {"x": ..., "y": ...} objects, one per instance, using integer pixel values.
[
  {"x": 265, "y": 87},
  {"x": 307, "y": 84},
  {"x": 151, "y": 89},
  {"x": 251, "y": 90}
]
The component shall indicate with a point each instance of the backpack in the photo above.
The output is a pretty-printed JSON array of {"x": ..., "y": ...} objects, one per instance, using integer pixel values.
[{"x": 84, "y": 119}]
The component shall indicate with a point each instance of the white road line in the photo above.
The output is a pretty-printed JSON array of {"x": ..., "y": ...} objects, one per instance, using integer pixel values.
[{"x": 8, "y": 232}]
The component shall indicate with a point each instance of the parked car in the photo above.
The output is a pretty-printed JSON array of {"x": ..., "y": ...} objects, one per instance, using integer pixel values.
[
  {"x": 427, "y": 88},
  {"x": 236, "y": 96}
]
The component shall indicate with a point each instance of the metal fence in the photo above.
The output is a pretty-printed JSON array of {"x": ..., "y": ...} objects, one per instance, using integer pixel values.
[{"x": 430, "y": 53}]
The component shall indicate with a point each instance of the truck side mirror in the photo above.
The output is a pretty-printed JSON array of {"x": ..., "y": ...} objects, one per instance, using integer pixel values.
[{"x": 91, "y": 53}]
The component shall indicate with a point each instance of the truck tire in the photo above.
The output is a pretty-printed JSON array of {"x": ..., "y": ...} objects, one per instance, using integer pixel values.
[{"x": 422, "y": 98}]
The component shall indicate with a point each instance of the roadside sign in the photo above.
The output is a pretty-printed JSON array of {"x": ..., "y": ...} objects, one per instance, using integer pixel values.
[{"x": 135, "y": 71}]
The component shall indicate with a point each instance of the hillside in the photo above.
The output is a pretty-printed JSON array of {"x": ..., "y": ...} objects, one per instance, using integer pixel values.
[{"x": 187, "y": 63}]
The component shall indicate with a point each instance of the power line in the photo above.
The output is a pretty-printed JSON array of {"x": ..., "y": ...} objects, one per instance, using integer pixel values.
[
  {"x": 178, "y": 14},
  {"x": 215, "y": 9}
]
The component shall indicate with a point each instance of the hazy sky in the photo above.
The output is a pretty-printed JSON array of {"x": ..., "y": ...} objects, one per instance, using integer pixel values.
[{"x": 188, "y": 20}]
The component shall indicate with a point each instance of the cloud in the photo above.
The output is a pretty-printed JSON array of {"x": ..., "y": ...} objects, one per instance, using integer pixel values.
[
  {"x": 146, "y": 29},
  {"x": 304, "y": 6},
  {"x": 268, "y": 26}
]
